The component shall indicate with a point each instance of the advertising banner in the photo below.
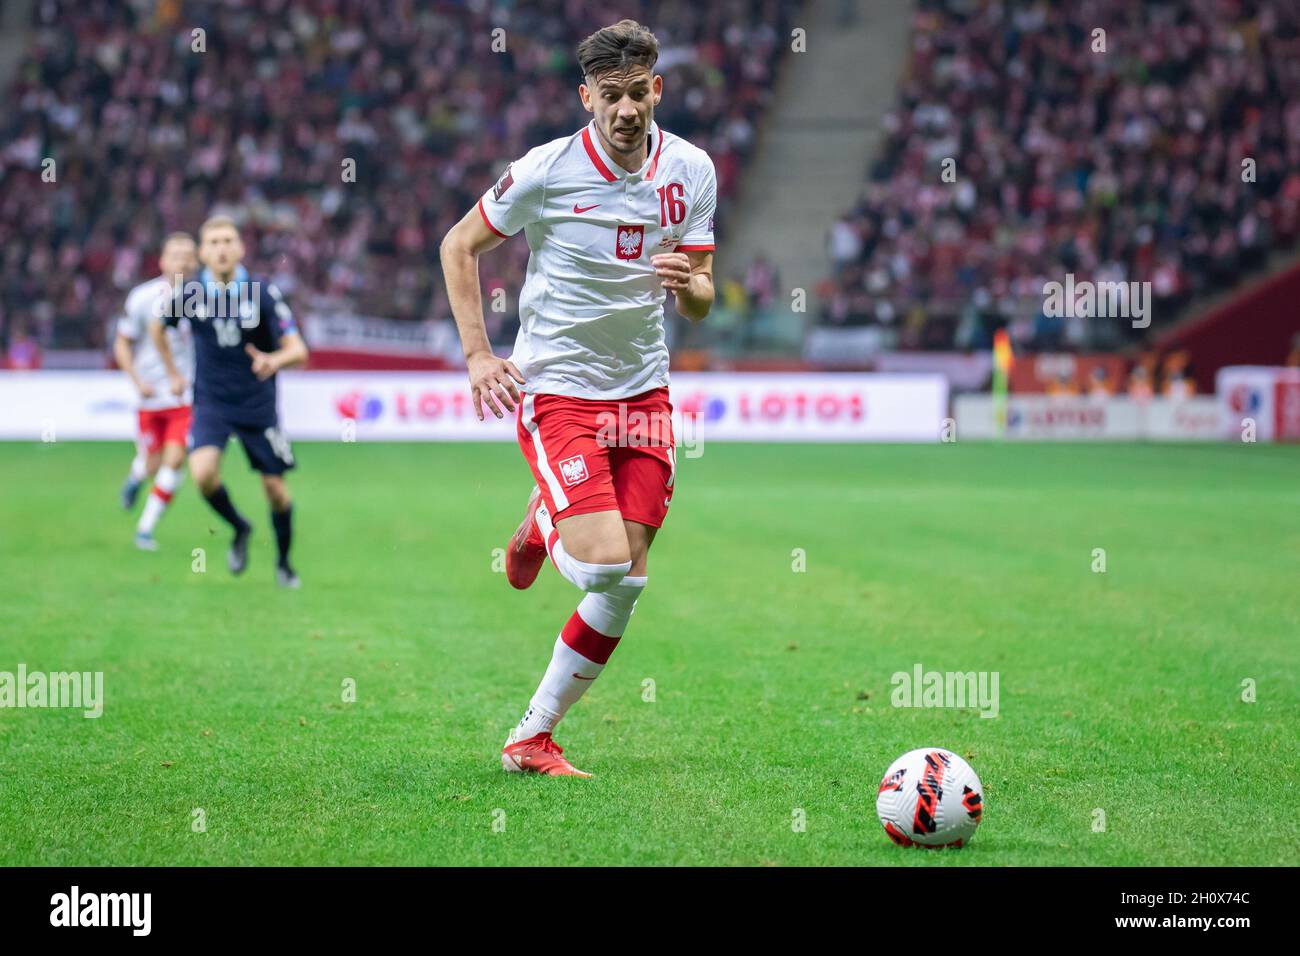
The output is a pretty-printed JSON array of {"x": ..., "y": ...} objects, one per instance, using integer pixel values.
[
  {"x": 436, "y": 406},
  {"x": 1263, "y": 397},
  {"x": 1083, "y": 418}
]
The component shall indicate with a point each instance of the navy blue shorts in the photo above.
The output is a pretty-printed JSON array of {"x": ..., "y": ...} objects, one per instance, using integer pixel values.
[{"x": 266, "y": 446}]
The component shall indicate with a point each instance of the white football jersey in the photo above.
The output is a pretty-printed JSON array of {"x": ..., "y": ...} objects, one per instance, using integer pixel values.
[
  {"x": 144, "y": 302},
  {"x": 591, "y": 313}
]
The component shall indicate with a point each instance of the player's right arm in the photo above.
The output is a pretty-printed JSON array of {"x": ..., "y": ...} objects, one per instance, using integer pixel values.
[
  {"x": 489, "y": 375},
  {"x": 158, "y": 334},
  {"x": 124, "y": 354},
  {"x": 506, "y": 208}
]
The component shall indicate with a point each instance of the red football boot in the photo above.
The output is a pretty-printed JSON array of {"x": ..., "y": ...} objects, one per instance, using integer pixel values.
[
  {"x": 537, "y": 754},
  {"x": 526, "y": 552}
]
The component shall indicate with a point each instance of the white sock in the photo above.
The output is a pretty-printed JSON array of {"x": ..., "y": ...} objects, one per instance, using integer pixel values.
[
  {"x": 536, "y": 720},
  {"x": 164, "y": 486},
  {"x": 608, "y": 612},
  {"x": 139, "y": 467},
  {"x": 582, "y": 574},
  {"x": 580, "y": 654}
]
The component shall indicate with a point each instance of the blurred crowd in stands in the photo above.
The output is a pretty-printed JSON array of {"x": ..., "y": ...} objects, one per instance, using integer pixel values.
[
  {"x": 1173, "y": 157},
  {"x": 152, "y": 126}
]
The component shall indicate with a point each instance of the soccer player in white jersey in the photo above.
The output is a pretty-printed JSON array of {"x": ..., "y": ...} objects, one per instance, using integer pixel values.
[
  {"x": 616, "y": 216},
  {"x": 164, "y": 385}
]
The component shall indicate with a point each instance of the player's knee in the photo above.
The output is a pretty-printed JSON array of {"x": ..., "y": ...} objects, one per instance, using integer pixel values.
[
  {"x": 627, "y": 590},
  {"x": 608, "y": 612},
  {"x": 597, "y": 578},
  {"x": 173, "y": 456},
  {"x": 277, "y": 492},
  {"x": 600, "y": 551},
  {"x": 205, "y": 476},
  {"x": 601, "y": 562}
]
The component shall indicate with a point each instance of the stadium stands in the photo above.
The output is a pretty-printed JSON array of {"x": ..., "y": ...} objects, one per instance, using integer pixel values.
[
  {"x": 1122, "y": 165},
  {"x": 151, "y": 126}
]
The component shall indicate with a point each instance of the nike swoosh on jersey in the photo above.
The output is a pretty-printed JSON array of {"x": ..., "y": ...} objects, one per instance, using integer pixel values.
[{"x": 581, "y": 209}]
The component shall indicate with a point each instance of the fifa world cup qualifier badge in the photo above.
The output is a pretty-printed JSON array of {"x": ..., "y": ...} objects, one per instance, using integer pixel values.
[{"x": 504, "y": 183}]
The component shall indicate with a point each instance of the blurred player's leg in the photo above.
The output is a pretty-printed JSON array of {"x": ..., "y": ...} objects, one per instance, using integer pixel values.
[
  {"x": 149, "y": 442},
  {"x": 165, "y": 483},
  {"x": 205, "y": 466},
  {"x": 270, "y": 453},
  {"x": 135, "y": 478},
  {"x": 277, "y": 493},
  {"x": 167, "y": 478}
]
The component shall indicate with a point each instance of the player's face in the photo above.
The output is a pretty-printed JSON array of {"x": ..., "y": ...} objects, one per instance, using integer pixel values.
[
  {"x": 221, "y": 250},
  {"x": 623, "y": 105},
  {"x": 178, "y": 256}
]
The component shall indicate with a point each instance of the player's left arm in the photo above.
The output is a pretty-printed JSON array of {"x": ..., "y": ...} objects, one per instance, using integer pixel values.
[
  {"x": 290, "y": 350},
  {"x": 689, "y": 275},
  {"x": 687, "y": 272},
  {"x": 292, "y": 353}
]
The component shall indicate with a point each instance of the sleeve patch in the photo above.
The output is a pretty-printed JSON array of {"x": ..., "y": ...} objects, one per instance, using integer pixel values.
[
  {"x": 287, "y": 324},
  {"x": 504, "y": 183}
]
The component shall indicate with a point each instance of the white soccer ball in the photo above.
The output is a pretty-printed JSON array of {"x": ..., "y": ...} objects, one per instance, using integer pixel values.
[{"x": 931, "y": 798}]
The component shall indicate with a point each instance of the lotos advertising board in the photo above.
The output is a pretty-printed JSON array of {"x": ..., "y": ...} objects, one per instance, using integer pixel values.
[
  {"x": 1082, "y": 418},
  {"x": 436, "y": 406}
]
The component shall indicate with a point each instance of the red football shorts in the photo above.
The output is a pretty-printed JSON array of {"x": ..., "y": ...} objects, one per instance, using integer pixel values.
[
  {"x": 594, "y": 455},
  {"x": 164, "y": 426}
]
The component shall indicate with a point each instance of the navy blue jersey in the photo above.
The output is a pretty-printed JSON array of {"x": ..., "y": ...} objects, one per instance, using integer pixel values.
[{"x": 246, "y": 311}]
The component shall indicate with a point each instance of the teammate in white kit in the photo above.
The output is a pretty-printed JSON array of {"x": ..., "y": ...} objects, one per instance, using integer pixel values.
[
  {"x": 615, "y": 215},
  {"x": 164, "y": 385}
]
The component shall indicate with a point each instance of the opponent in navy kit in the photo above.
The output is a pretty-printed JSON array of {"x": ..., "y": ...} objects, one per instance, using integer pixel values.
[{"x": 244, "y": 333}]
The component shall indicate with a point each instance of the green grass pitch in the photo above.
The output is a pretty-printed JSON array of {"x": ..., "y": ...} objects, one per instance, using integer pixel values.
[{"x": 1121, "y": 692}]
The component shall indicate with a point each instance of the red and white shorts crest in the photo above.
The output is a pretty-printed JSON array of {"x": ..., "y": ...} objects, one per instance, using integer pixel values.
[{"x": 591, "y": 455}]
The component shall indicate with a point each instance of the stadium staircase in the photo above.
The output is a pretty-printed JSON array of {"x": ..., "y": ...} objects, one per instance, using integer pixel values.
[
  {"x": 1254, "y": 324},
  {"x": 813, "y": 151}
]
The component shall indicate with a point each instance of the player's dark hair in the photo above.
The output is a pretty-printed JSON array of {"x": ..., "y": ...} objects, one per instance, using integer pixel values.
[{"x": 617, "y": 48}]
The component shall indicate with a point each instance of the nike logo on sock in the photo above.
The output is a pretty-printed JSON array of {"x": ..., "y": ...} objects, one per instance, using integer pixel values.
[{"x": 580, "y": 677}]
